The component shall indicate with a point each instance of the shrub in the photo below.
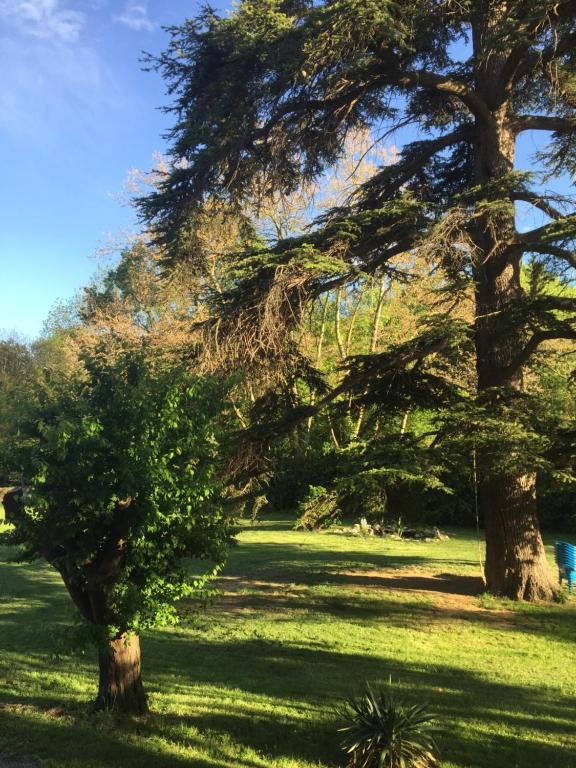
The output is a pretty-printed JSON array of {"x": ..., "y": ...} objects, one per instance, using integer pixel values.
[
  {"x": 382, "y": 731},
  {"x": 318, "y": 510}
]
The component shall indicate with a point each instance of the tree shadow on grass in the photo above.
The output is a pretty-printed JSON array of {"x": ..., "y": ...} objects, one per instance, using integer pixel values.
[
  {"x": 415, "y": 610},
  {"x": 114, "y": 743},
  {"x": 481, "y": 724},
  {"x": 303, "y": 563},
  {"x": 447, "y": 583},
  {"x": 278, "y": 700},
  {"x": 556, "y": 622}
]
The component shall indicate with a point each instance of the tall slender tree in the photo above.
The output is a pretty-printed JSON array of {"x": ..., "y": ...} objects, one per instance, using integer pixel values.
[{"x": 266, "y": 96}]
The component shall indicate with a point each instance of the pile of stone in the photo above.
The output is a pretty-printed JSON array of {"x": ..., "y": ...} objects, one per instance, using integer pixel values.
[{"x": 364, "y": 528}]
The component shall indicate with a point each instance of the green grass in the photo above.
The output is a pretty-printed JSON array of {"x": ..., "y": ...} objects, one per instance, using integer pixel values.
[{"x": 302, "y": 621}]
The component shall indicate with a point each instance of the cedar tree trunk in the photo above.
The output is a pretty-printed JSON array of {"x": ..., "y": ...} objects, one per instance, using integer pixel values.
[
  {"x": 120, "y": 685},
  {"x": 516, "y": 564}
]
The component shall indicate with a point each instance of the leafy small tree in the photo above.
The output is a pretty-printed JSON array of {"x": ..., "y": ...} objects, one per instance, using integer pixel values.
[{"x": 120, "y": 495}]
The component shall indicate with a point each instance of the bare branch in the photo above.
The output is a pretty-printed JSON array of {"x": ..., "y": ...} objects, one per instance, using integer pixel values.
[
  {"x": 552, "y": 250},
  {"x": 538, "y": 337},
  {"x": 453, "y": 87},
  {"x": 538, "y": 202},
  {"x": 558, "y": 303},
  {"x": 541, "y": 60},
  {"x": 548, "y": 232},
  {"x": 544, "y": 123}
]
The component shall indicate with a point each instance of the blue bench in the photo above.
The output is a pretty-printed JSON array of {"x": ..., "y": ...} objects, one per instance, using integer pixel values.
[{"x": 565, "y": 555}]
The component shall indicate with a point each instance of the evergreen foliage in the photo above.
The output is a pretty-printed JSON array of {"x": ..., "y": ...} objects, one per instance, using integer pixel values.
[{"x": 266, "y": 97}]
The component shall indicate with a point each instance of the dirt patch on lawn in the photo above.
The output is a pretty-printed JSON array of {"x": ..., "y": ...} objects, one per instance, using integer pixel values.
[
  {"x": 445, "y": 586},
  {"x": 455, "y": 596},
  {"x": 450, "y": 596}
]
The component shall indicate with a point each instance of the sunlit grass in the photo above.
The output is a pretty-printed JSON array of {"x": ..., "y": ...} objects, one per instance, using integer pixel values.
[{"x": 302, "y": 621}]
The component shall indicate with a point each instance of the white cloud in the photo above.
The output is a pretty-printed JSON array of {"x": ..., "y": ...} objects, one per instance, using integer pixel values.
[
  {"x": 135, "y": 16},
  {"x": 54, "y": 79},
  {"x": 45, "y": 19},
  {"x": 48, "y": 88}
]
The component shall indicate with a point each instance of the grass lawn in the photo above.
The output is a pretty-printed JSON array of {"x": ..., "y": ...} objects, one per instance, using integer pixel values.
[{"x": 302, "y": 620}]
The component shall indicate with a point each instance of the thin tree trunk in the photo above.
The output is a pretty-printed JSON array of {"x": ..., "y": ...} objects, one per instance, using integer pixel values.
[
  {"x": 239, "y": 415},
  {"x": 337, "y": 330},
  {"x": 322, "y": 333},
  {"x": 120, "y": 683},
  {"x": 516, "y": 564},
  {"x": 332, "y": 433},
  {"x": 352, "y": 323},
  {"x": 373, "y": 342},
  {"x": 404, "y": 425},
  {"x": 318, "y": 360}
]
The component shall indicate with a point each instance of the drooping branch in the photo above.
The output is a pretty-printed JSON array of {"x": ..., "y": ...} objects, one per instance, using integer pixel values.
[
  {"x": 297, "y": 106},
  {"x": 364, "y": 370},
  {"x": 404, "y": 80},
  {"x": 553, "y": 250},
  {"x": 368, "y": 373},
  {"x": 254, "y": 320},
  {"x": 399, "y": 173}
]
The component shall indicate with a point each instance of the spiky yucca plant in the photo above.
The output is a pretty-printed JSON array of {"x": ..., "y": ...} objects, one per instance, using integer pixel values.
[{"x": 383, "y": 731}]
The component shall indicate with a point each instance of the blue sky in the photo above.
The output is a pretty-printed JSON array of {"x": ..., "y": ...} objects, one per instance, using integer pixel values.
[{"x": 76, "y": 115}]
